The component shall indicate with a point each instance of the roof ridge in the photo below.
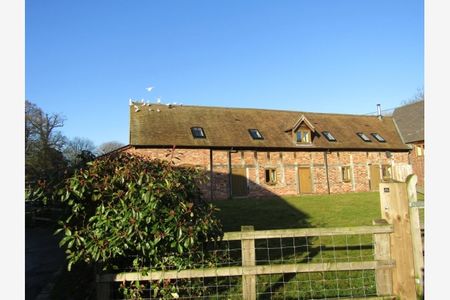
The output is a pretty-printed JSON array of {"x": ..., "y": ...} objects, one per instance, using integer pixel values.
[
  {"x": 409, "y": 104},
  {"x": 266, "y": 109}
]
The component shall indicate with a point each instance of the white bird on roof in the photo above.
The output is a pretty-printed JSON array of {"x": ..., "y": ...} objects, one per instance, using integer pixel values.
[
  {"x": 158, "y": 110},
  {"x": 150, "y": 109},
  {"x": 130, "y": 101},
  {"x": 149, "y": 88}
]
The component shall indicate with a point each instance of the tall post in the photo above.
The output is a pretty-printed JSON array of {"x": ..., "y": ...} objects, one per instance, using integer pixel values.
[
  {"x": 411, "y": 182},
  {"x": 382, "y": 251},
  {"x": 395, "y": 209},
  {"x": 248, "y": 260}
]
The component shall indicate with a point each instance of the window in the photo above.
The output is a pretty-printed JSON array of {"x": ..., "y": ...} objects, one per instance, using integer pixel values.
[
  {"x": 419, "y": 151},
  {"x": 198, "y": 133},
  {"x": 346, "y": 174},
  {"x": 329, "y": 136},
  {"x": 364, "y": 137},
  {"x": 386, "y": 172},
  {"x": 303, "y": 136},
  {"x": 378, "y": 137},
  {"x": 271, "y": 176},
  {"x": 256, "y": 135}
]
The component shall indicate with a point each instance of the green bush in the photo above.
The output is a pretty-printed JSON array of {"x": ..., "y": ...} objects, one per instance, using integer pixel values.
[{"x": 129, "y": 213}]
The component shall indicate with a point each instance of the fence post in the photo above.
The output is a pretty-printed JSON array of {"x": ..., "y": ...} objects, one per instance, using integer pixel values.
[
  {"x": 382, "y": 247},
  {"x": 248, "y": 260},
  {"x": 395, "y": 209},
  {"x": 411, "y": 181}
]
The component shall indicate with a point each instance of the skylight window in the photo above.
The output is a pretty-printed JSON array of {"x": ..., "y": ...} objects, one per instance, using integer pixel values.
[
  {"x": 363, "y": 137},
  {"x": 378, "y": 137},
  {"x": 198, "y": 133},
  {"x": 329, "y": 136},
  {"x": 256, "y": 135}
]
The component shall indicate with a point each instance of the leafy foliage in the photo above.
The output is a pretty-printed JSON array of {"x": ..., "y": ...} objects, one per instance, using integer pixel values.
[{"x": 136, "y": 214}]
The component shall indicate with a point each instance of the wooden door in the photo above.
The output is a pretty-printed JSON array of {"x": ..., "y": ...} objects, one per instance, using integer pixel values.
[
  {"x": 239, "y": 182},
  {"x": 304, "y": 179},
  {"x": 374, "y": 178}
]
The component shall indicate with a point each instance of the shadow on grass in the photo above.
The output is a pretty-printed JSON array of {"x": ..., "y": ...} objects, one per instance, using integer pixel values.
[
  {"x": 275, "y": 212},
  {"x": 267, "y": 213}
]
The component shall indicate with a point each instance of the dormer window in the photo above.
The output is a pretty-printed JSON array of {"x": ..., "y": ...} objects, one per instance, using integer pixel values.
[
  {"x": 255, "y": 134},
  {"x": 302, "y": 131},
  {"x": 303, "y": 136},
  {"x": 329, "y": 136},
  {"x": 198, "y": 133},
  {"x": 364, "y": 137},
  {"x": 378, "y": 137}
]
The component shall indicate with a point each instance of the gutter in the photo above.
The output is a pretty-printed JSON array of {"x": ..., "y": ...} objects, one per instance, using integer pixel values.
[{"x": 287, "y": 149}]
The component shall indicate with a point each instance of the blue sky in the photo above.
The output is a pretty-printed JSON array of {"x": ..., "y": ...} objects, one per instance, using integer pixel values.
[{"x": 85, "y": 59}]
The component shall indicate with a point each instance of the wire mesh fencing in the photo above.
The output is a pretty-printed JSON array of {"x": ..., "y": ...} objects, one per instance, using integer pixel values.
[{"x": 314, "y": 263}]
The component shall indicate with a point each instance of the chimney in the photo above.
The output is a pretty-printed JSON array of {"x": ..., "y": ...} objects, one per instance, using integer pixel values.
[{"x": 379, "y": 112}]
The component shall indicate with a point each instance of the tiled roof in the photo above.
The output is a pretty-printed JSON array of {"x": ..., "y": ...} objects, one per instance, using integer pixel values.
[
  {"x": 410, "y": 121},
  {"x": 228, "y": 127}
]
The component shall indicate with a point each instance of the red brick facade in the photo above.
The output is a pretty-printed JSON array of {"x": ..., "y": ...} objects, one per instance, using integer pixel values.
[
  {"x": 416, "y": 159},
  {"x": 325, "y": 169}
]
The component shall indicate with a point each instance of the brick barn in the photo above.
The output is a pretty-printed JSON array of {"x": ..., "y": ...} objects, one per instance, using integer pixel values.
[
  {"x": 410, "y": 121},
  {"x": 260, "y": 152}
]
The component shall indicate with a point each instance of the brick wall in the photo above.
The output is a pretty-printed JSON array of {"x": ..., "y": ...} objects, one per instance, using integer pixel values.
[
  {"x": 417, "y": 160},
  {"x": 286, "y": 165}
]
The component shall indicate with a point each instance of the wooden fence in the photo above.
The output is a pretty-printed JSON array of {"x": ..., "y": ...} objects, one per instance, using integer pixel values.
[
  {"x": 249, "y": 270},
  {"x": 397, "y": 246}
]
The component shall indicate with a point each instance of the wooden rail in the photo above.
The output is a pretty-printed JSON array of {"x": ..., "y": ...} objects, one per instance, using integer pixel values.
[
  {"x": 249, "y": 270},
  {"x": 253, "y": 270},
  {"x": 306, "y": 232}
]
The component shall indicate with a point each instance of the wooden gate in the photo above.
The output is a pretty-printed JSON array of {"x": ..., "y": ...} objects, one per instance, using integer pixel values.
[{"x": 398, "y": 201}]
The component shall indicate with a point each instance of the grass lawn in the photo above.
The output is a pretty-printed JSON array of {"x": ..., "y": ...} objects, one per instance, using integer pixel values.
[
  {"x": 354, "y": 209},
  {"x": 341, "y": 210}
]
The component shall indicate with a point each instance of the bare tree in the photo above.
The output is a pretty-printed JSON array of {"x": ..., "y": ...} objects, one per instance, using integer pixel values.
[
  {"x": 77, "y": 148},
  {"x": 44, "y": 161},
  {"x": 419, "y": 96},
  {"x": 108, "y": 147},
  {"x": 41, "y": 129}
]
